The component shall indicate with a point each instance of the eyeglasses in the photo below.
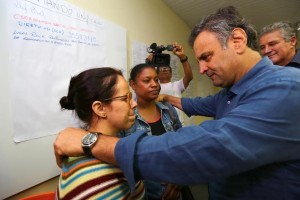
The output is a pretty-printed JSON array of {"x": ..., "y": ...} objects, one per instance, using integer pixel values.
[
  {"x": 164, "y": 69},
  {"x": 126, "y": 97}
]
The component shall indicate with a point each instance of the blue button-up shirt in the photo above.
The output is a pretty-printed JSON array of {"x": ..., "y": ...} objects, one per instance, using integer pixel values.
[{"x": 250, "y": 151}]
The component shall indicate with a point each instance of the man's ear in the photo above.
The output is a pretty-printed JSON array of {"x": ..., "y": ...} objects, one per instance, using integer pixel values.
[
  {"x": 99, "y": 109},
  {"x": 239, "y": 40},
  {"x": 293, "y": 41}
]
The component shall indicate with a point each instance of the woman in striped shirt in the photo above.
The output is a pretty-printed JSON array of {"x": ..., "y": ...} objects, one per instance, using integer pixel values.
[{"x": 102, "y": 101}]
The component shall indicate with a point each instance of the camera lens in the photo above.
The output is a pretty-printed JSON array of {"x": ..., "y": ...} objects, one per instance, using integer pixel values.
[{"x": 170, "y": 47}]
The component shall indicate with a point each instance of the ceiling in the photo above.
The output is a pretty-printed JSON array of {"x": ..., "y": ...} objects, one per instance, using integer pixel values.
[{"x": 258, "y": 12}]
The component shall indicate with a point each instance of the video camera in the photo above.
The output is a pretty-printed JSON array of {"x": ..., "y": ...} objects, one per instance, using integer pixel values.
[{"x": 159, "y": 58}]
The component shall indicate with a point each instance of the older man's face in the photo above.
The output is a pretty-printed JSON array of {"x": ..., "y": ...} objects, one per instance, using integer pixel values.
[{"x": 276, "y": 48}]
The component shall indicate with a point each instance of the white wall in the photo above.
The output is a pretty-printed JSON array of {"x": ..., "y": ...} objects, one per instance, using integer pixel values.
[{"x": 145, "y": 21}]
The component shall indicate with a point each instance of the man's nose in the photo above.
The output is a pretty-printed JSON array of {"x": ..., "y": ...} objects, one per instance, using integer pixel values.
[
  {"x": 266, "y": 50},
  {"x": 202, "y": 67}
]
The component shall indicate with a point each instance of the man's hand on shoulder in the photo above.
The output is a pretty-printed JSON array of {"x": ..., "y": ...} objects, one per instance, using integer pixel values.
[
  {"x": 161, "y": 98},
  {"x": 68, "y": 143}
]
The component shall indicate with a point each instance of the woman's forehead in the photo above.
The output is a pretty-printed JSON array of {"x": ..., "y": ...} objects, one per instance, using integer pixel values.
[{"x": 147, "y": 71}]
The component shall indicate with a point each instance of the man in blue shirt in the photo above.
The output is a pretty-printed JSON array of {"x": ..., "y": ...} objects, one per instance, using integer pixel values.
[{"x": 251, "y": 150}]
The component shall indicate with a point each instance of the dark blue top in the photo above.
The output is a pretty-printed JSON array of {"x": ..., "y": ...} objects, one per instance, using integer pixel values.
[
  {"x": 295, "y": 62},
  {"x": 250, "y": 151}
]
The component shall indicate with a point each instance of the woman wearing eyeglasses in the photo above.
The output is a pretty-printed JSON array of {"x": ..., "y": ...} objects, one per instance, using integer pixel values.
[
  {"x": 102, "y": 101},
  {"x": 153, "y": 117}
]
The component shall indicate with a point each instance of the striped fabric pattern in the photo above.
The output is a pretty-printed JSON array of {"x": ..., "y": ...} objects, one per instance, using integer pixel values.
[{"x": 89, "y": 178}]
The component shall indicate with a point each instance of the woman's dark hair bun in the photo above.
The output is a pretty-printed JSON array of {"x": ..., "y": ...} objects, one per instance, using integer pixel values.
[{"x": 65, "y": 103}]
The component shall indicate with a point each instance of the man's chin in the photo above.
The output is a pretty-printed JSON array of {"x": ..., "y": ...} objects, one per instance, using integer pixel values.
[
  {"x": 273, "y": 59},
  {"x": 217, "y": 83}
]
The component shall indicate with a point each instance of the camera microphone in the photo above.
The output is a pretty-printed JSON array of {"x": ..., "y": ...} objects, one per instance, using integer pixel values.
[{"x": 153, "y": 46}]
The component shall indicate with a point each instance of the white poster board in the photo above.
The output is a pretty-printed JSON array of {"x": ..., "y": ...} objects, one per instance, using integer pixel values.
[
  {"x": 34, "y": 75},
  {"x": 49, "y": 42}
]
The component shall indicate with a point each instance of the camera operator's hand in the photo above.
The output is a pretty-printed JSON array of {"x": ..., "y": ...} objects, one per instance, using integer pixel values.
[
  {"x": 178, "y": 51},
  {"x": 149, "y": 58}
]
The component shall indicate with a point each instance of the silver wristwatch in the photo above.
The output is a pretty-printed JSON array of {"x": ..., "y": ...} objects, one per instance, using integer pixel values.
[{"x": 88, "y": 141}]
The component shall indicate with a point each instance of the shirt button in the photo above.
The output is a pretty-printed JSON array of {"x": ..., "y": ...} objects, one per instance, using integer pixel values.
[{"x": 228, "y": 102}]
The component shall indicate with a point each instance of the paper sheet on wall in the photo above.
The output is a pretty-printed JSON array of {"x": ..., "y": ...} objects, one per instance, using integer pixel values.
[
  {"x": 176, "y": 66},
  {"x": 139, "y": 53},
  {"x": 50, "y": 42}
]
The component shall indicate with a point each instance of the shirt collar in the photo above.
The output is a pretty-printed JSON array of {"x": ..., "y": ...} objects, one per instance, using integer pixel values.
[
  {"x": 249, "y": 79},
  {"x": 160, "y": 105}
]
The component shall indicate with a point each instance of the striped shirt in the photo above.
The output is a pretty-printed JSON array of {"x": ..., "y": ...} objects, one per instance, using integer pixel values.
[{"x": 89, "y": 178}]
